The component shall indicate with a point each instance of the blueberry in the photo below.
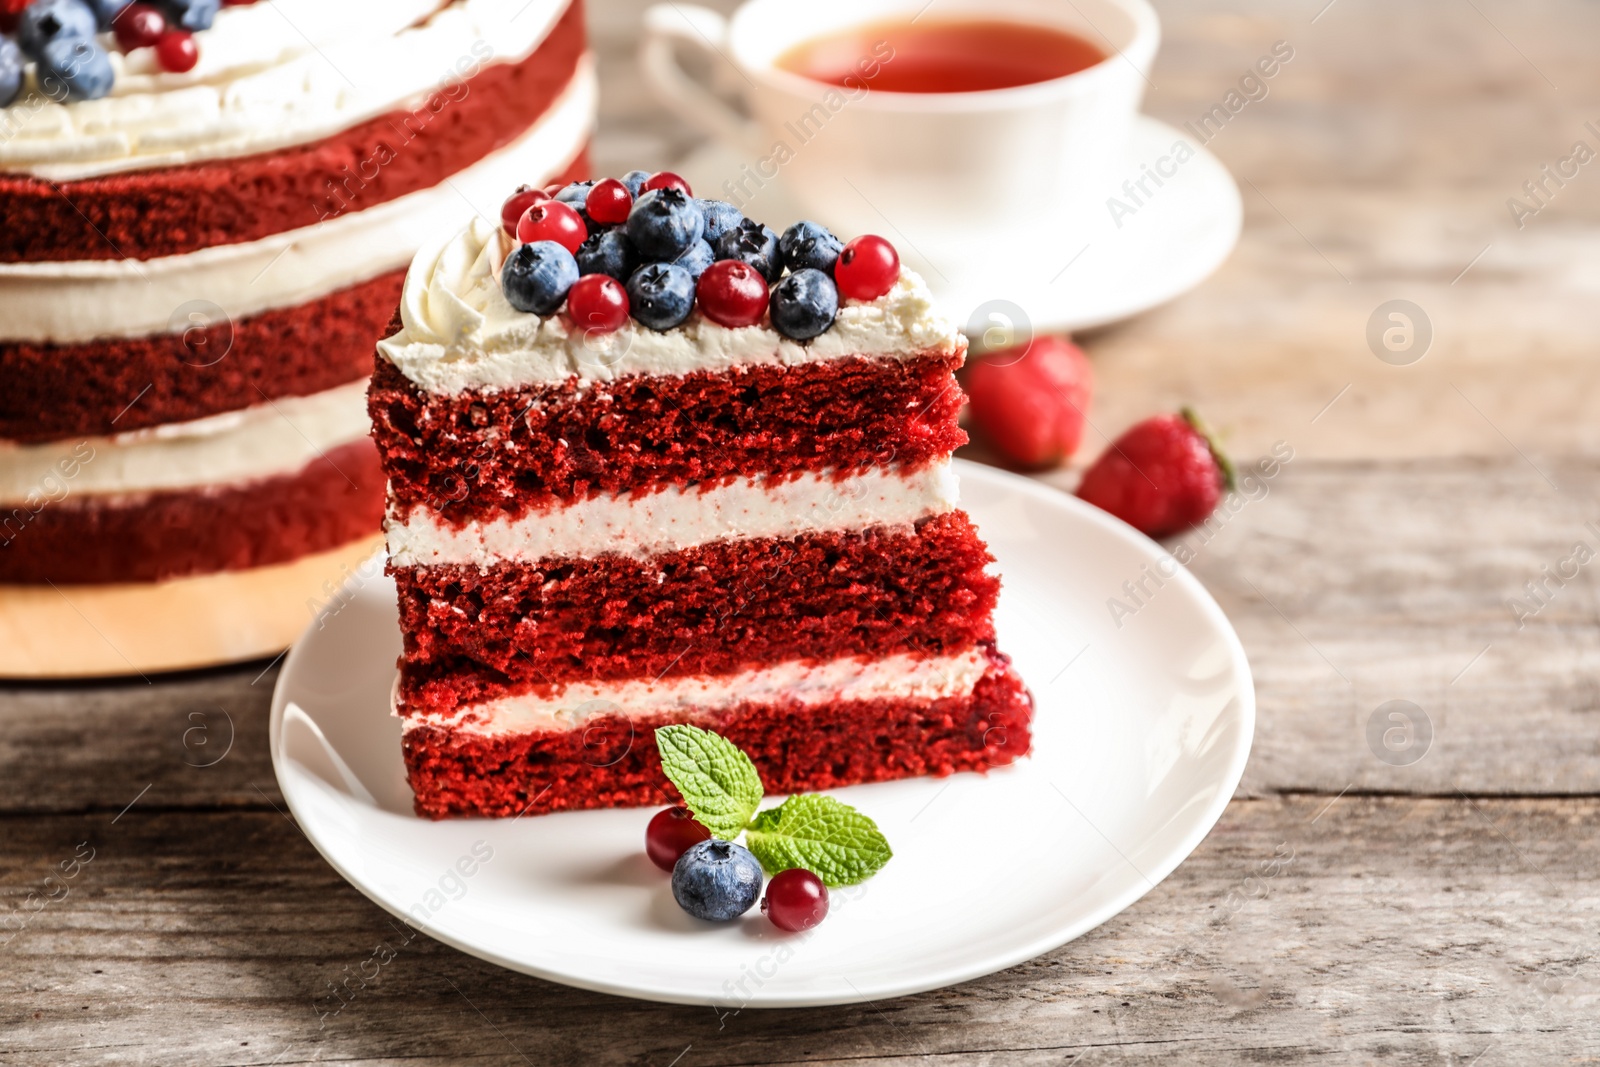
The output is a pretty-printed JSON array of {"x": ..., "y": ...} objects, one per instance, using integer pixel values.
[
  {"x": 807, "y": 244},
  {"x": 695, "y": 259},
  {"x": 191, "y": 14},
  {"x": 536, "y": 277},
  {"x": 608, "y": 253},
  {"x": 804, "y": 304},
  {"x": 49, "y": 20},
  {"x": 574, "y": 193},
  {"x": 661, "y": 295},
  {"x": 11, "y": 61},
  {"x": 721, "y": 217},
  {"x": 635, "y": 180},
  {"x": 716, "y": 880},
  {"x": 107, "y": 10},
  {"x": 72, "y": 68},
  {"x": 663, "y": 223},
  {"x": 752, "y": 243}
]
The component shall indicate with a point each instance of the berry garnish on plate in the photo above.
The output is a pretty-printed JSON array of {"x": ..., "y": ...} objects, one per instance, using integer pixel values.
[
  {"x": 867, "y": 268},
  {"x": 828, "y": 841},
  {"x": 716, "y": 880},
  {"x": 1162, "y": 476},
  {"x": 796, "y": 900},
  {"x": 552, "y": 220},
  {"x": 1029, "y": 402},
  {"x": 732, "y": 294},
  {"x": 671, "y": 833}
]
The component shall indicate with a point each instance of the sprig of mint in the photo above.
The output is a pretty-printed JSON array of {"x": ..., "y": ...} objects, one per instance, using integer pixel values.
[{"x": 722, "y": 789}]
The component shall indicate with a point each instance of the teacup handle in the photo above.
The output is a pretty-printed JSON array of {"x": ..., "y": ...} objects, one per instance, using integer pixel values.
[{"x": 669, "y": 25}]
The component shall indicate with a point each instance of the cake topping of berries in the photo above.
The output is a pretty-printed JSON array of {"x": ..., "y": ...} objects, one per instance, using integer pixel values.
[
  {"x": 536, "y": 276},
  {"x": 60, "y": 37},
  {"x": 867, "y": 268},
  {"x": 672, "y": 252},
  {"x": 552, "y": 220},
  {"x": 597, "y": 303},
  {"x": 1162, "y": 476}
]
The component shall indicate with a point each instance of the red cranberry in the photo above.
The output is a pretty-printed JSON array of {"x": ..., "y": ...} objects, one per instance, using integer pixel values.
[
  {"x": 796, "y": 900},
  {"x": 138, "y": 26},
  {"x": 665, "y": 180},
  {"x": 517, "y": 205},
  {"x": 551, "y": 220},
  {"x": 671, "y": 832},
  {"x": 867, "y": 268},
  {"x": 177, "y": 52},
  {"x": 732, "y": 293},
  {"x": 598, "y": 303},
  {"x": 10, "y": 12},
  {"x": 609, "y": 202}
]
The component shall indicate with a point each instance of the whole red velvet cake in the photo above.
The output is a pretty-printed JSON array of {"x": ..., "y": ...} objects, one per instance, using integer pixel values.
[
  {"x": 649, "y": 462},
  {"x": 208, "y": 214}
]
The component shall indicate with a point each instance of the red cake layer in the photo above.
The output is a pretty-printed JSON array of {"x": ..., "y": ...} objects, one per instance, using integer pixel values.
[
  {"x": 76, "y": 390},
  {"x": 155, "y": 536},
  {"x": 471, "y": 636},
  {"x": 483, "y": 455},
  {"x": 172, "y": 210},
  {"x": 613, "y": 762}
]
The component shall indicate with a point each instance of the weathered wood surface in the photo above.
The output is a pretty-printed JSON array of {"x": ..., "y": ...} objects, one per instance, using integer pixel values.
[
  {"x": 1440, "y": 913},
  {"x": 1367, "y": 930}
]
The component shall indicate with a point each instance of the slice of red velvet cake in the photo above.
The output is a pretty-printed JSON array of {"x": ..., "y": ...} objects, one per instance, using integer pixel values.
[{"x": 632, "y": 486}]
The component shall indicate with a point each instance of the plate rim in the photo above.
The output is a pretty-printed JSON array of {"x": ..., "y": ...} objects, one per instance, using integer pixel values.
[{"x": 1204, "y": 823}]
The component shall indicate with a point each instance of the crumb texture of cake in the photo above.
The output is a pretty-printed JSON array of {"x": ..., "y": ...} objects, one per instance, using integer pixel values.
[
  {"x": 200, "y": 252},
  {"x": 667, "y": 498}
]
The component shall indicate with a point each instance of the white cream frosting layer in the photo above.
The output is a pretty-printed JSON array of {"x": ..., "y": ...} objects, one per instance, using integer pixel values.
[
  {"x": 459, "y": 332},
  {"x": 676, "y": 518},
  {"x": 897, "y": 677},
  {"x": 89, "y": 299},
  {"x": 272, "y": 74},
  {"x": 274, "y": 438}
]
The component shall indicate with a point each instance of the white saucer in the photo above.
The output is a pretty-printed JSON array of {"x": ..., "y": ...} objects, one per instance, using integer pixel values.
[
  {"x": 1171, "y": 241},
  {"x": 1141, "y": 736}
]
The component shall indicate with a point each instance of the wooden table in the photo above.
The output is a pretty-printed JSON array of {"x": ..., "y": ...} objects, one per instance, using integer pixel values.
[{"x": 1438, "y": 912}]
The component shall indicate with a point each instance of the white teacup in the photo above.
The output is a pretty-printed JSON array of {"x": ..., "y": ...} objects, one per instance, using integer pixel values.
[{"x": 941, "y": 170}]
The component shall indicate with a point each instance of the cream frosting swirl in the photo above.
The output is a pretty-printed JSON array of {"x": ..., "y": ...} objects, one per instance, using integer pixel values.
[{"x": 459, "y": 332}]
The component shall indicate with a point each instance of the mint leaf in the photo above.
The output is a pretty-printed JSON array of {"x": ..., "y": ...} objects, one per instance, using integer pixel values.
[
  {"x": 832, "y": 840},
  {"x": 718, "y": 782}
]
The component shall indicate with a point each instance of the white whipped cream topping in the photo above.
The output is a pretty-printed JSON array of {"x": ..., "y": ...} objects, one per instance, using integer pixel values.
[
  {"x": 270, "y": 75},
  {"x": 677, "y": 517},
  {"x": 85, "y": 300},
  {"x": 899, "y": 677},
  {"x": 459, "y": 332},
  {"x": 278, "y": 437}
]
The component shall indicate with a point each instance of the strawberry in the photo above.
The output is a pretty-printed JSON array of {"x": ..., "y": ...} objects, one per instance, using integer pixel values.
[
  {"x": 1162, "y": 475},
  {"x": 1029, "y": 401}
]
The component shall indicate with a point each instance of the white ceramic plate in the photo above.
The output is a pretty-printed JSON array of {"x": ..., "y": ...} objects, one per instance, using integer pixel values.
[
  {"x": 1114, "y": 267},
  {"x": 1141, "y": 735}
]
